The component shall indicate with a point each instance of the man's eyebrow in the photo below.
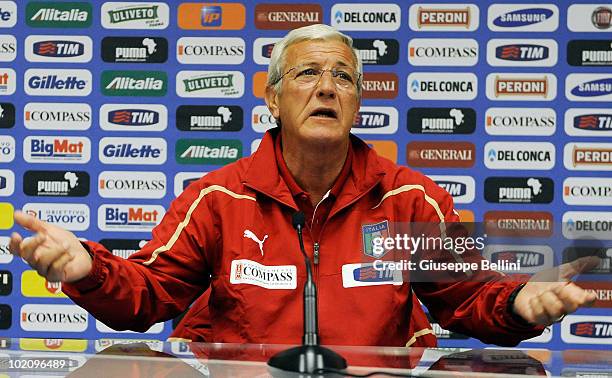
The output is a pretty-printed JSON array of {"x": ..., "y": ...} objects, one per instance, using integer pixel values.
[{"x": 317, "y": 64}]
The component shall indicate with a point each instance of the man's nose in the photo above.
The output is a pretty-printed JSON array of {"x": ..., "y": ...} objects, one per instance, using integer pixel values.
[{"x": 326, "y": 87}]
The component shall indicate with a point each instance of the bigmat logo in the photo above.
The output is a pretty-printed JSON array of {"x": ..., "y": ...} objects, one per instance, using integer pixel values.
[
  {"x": 209, "y": 118},
  {"x": 262, "y": 49},
  {"x": 8, "y": 14},
  {"x": 462, "y": 188},
  {"x": 211, "y": 16},
  {"x": 133, "y": 117},
  {"x": 6, "y": 315},
  {"x": 519, "y": 223},
  {"x": 382, "y": 52},
  {"x": 7, "y": 182},
  {"x": 58, "y": 48},
  {"x": 589, "y": 191},
  {"x": 183, "y": 179},
  {"x": 6, "y": 282},
  {"x": 589, "y": 18},
  {"x": 132, "y": 15},
  {"x": 605, "y": 255},
  {"x": 441, "y": 120},
  {"x": 57, "y": 82},
  {"x": 379, "y": 85},
  {"x": 521, "y": 121},
  {"x": 287, "y": 16},
  {"x": 71, "y": 216},
  {"x": 603, "y": 291},
  {"x": 51, "y": 14},
  {"x": 8, "y": 45},
  {"x": 5, "y": 255},
  {"x": 589, "y": 52},
  {"x": 139, "y": 151},
  {"x": 134, "y": 83},
  {"x": 56, "y": 149},
  {"x": 532, "y": 258},
  {"x": 523, "y": 18},
  {"x": 219, "y": 50},
  {"x": 443, "y": 52},
  {"x": 441, "y": 154},
  {"x": 123, "y": 247},
  {"x": 261, "y": 119},
  {"x": 134, "y": 49},
  {"x": 56, "y": 183},
  {"x": 129, "y": 218},
  {"x": 210, "y": 84},
  {"x": 57, "y": 116},
  {"x": 382, "y": 17},
  {"x": 8, "y": 81},
  {"x": 587, "y": 225},
  {"x": 208, "y": 151},
  {"x": 588, "y": 87},
  {"x": 59, "y": 345},
  {"x": 35, "y": 286},
  {"x": 375, "y": 120},
  {"x": 586, "y": 329},
  {"x": 522, "y": 52},
  {"x": 53, "y": 318},
  {"x": 117, "y": 184},
  {"x": 588, "y": 156},
  {"x": 7, "y": 115},
  {"x": 521, "y": 87},
  {"x": 518, "y": 189},
  {"x": 443, "y": 17},
  {"x": 7, "y": 148},
  {"x": 442, "y": 86},
  {"x": 519, "y": 155},
  {"x": 589, "y": 122}
]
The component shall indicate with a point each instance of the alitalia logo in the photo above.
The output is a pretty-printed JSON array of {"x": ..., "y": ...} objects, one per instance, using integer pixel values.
[
  {"x": 208, "y": 82},
  {"x": 134, "y": 83},
  {"x": 133, "y": 14},
  {"x": 59, "y": 15},
  {"x": 208, "y": 151}
]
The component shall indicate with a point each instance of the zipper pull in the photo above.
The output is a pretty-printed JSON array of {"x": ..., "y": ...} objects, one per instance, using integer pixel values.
[{"x": 316, "y": 254}]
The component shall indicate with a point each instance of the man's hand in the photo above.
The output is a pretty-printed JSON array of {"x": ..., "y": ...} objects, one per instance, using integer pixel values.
[
  {"x": 550, "y": 295},
  {"x": 55, "y": 253}
]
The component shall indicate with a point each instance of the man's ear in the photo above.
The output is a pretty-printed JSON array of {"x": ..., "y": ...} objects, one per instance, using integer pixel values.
[{"x": 272, "y": 101}]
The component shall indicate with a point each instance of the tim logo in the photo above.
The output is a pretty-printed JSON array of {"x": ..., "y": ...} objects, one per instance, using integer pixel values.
[
  {"x": 133, "y": 117},
  {"x": 266, "y": 50},
  {"x": 593, "y": 88},
  {"x": 211, "y": 15},
  {"x": 453, "y": 188},
  {"x": 132, "y": 216},
  {"x": 522, "y": 53},
  {"x": 523, "y": 17},
  {"x": 59, "y": 49},
  {"x": 598, "y": 330},
  {"x": 527, "y": 259},
  {"x": 599, "y": 122},
  {"x": 370, "y": 120},
  {"x": 369, "y": 274}
]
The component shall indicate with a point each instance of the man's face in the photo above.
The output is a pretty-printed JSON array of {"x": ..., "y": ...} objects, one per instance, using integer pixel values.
[{"x": 322, "y": 112}]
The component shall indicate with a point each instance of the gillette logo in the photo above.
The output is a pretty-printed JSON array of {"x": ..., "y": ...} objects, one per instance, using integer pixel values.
[
  {"x": 133, "y": 117},
  {"x": 129, "y": 151},
  {"x": 53, "y": 82}
]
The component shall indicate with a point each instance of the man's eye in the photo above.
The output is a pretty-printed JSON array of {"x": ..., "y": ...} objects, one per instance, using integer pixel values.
[
  {"x": 344, "y": 76},
  {"x": 308, "y": 72}
]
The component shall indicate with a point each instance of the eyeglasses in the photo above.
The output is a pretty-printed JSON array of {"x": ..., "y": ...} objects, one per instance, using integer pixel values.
[{"x": 343, "y": 77}]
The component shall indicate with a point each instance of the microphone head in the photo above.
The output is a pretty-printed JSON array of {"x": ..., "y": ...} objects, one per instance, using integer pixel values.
[{"x": 298, "y": 219}]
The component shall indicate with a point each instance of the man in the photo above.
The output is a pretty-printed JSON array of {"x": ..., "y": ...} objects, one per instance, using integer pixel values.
[{"x": 232, "y": 231}]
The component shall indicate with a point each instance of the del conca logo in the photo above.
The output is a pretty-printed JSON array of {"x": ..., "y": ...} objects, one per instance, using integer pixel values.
[
  {"x": 58, "y": 15},
  {"x": 134, "y": 83}
]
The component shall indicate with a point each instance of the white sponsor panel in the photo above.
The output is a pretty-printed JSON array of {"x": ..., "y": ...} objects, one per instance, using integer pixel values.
[
  {"x": 592, "y": 122},
  {"x": 8, "y": 47},
  {"x": 266, "y": 276},
  {"x": 139, "y": 151},
  {"x": 58, "y": 48},
  {"x": 588, "y": 87},
  {"x": 7, "y": 149},
  {"x": 588, "y": 156},
  {"x": 587, "y": 225},
  {"x": 102, "y": 344},
  {"x": 57, "y": 82},
  {"x": 135, "y": 15},
  {"x": 443, "y": 17},
  {"x": 588, "y": 191},
  {"x": 519, "y": 155},
  {"x": 71, "y": 216},
  {"x": 443, "y": 52},
  {"x": 133, "y": 117},
  {"x": 544, "y": 338},
  {"x": 380, "y": 17},
  {"x": 461, "y": 188},
  {"x": 261, "y": 44},
  {"x": 8, "y": 81},
  {"x": 521, "y": 121},
  {"x": 8, "y": 14},
  {"x": 129, "y": 218},
  {"x": 521, "y": 87},
  {"x": 255, "y": 145},
  {"x": 57, "y": 116},
  {"x": 182, "y": 177},
  {"x": 203, "y": 50},
  {"x": 261, "y": 119},
  {"x": 7, "y": 182},
  {"x": 532, "y": 258},
  {"x": 523, "y": 17},
  {"x": 155, "y": 328},
  {"x": 56, "y": 149},
  {"x": 589, "y": 17},
  {"x": 376, "y": 120},
  {"x": 359, "y": 275},
  {"x": 53, "y": 318},
  {"x": 522, "y": 52},
  {"x": 123, "y": 184},
  {"x": 442, "y": 86},
  {"x": 5, "y": 255},
  {"x": 586, "y": 329},
  {"x": 207, "y": 84}
]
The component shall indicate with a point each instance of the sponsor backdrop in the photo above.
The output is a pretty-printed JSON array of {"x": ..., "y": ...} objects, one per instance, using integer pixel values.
[{"x": 109, "y": 109}]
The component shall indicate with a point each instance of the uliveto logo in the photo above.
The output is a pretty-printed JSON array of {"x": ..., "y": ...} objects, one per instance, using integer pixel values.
[
  {"x": 462, "y": 188},
  {"x": 589, "y": 122},
  {"x": 587, "y": 329},
  {"x": 56, "y": 149},
  {"x": 132, "y": 15},
  {"x": 589, "y": 17},
  {"x": 523, "y": 18},
  {"x": 118, "y": 184},
  {"x": 210, "y": 84},
  {"x": 287, "y": 16},
  {"x": 56, "y": 82},
  {"x": 518, "y": 189},
  {"x": 442, "y": 86},
  {"x": 519, "y": 155},
  {"x": 520, "y": 121},
  {"x": 57, "y": 116},
  {"x": 58, "y": 48},
  {"x": 139, "y": 151},
  {"x": 133, "y": 117},
  {"x": 56, "y": 183},
  {"x": 441, "y": 154},
  {"x": 209, "y": 118},
  {"x": 441, "y": 120},
  {"x": 208, "y": 151},
  {"x": 588, "y": 156},
  {"x": 533, "y": 258},
  {"x": 71, "y": 216},
  {"x": 589, "y": 191},
  {"x": 134, "y": 83},
  {"x": 443, "y": 52},
  {"x": 588, "y": 87},
  {"x": 589, "y": 52},
  {"x": 53, "y": 318},
  {"x": 219, "y": 50},
  {"x": 375, "y": 120},
  {"x": 8, "y": 14},
  {"x": 377, "y": 51},
  {"x": 129, "y": 218},
  {"x": 134, "y": 49},
  {"x": 43, "y": 14},
  {"x": 522, "y": 52},
  {"x": 521, "y": 87},
  {"x": 443, "y": 17},
  {"x": 383, "y": 17}
]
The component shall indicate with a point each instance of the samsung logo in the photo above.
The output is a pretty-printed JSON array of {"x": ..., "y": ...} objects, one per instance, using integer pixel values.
[
  {"x": 129, "y": 218},
  {"x": 58, "y": 48},
  {"x": 146, "y": 151},
  {"x": 375, "y": 120},
  {"x": 50, "y": 82},
  {"x": 56, "y": 149},
  {"x": 516, "y": 17},
  {"x": 589, "y": 88}
]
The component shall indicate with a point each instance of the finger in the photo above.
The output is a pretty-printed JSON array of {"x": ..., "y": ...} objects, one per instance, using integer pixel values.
[
  {"x": 29, "y": 222},
  {"x": 46, "y": 257},
  {"x": 29, "y": 245},
  {"x": 56, "y": 270},
  {"x": 581, "y": 265},
  {"x": 539, "y": 315},
  {"x": 553, "y": 306},
  {"x": 14, "y": 243},
  {"x": 577, "y": 296}
]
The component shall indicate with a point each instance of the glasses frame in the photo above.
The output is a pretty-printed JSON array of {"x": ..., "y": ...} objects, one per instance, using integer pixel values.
[{"x": 332, "y": 71}]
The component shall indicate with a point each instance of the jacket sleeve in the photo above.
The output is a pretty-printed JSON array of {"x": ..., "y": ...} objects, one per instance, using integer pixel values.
[{"x": 159, "y": 281}]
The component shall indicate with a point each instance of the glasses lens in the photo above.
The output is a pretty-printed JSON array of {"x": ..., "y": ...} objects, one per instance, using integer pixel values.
[{"x": 344, "y": 77}]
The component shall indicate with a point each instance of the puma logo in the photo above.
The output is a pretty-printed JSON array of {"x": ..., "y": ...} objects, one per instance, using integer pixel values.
[{"x": 249, "y": 234}]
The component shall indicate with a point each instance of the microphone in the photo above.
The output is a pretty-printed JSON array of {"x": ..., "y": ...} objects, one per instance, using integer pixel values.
[{"x": 310, "y": 357}]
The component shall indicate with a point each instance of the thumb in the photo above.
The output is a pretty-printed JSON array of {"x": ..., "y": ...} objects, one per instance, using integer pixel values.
[{"x": 581, "y": 265}]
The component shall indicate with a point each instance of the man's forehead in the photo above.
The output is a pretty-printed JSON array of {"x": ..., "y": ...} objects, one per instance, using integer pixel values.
[{"x": 320, "y": 52}]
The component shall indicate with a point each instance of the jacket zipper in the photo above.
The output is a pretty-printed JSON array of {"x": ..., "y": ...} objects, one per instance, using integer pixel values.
[{"x": 315, "y": 257}]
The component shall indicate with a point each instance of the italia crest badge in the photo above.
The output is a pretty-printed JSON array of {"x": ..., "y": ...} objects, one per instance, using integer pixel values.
[{"x": 371, "y": 231}]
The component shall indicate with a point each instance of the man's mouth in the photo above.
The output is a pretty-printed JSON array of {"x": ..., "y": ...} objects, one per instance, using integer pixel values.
[{"x": 328, "y": 113}]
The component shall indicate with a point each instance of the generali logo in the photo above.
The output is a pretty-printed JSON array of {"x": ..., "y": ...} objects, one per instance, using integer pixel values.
[
  {"x": 441, "y": 154},
  {"x": 382, "y": 17},
  {"x": 119, "y": 184},
  {"x": 211, "y": 16},
  {"x": 209, "y": 118},
  {"x": 602, "y": 290},
  {"x": 58, "y": 48},
  {"x": 461, "y": 188},
  {"x": 521, "y": 87},
  {"x": 595, "y": 225},
  {"x": 441, "y": 120},
  {"x": 208, "y": 151},
  {"x": 287, "y": 16},
  {"x": 519, "y": 223},
  {"x": 523, "y": 18},
  {"x": 56, "y": 149},
  {"x": 129, "y": 218},
  {"x": 588, "y": 87},
  {"x": 133, "y": 117},
  {"x": 135, "y": 15},
  {"x": 261, "y": 119},
  {"x": 589, "y": 191},
  {"x": 522, "y": 52},
  {"x": 379, "y": 85},
  {"x": 52, "y": 14},
  {"x": 134, "y": 49},
  {"x": 588, "y": 156},
  {"x": 520, "y": 121},
  {"x": 518, "y": 189},
  {"x": 57, "y": 82},
  {"x": 443, "y": 17},
  {"x": 57, "y": 116},
  {"x": 532, "y": 258},
  {"x": 377, "y": 51},
  {"x": 589, "y": 52},
  {"x": 443, "y": 52},
  {"x": 589, "y": 18},
  {"x": 375, "y": 120},
  {"x": 219, "y": 50},
  {"x": 134, "y": 83},
  {"x": 519, "y": 155},
  {"x": 53, "y": 318},
  {"x": 442, "y": 86},
  {"x": 592, "y": 122},
  {"x": 586, "y": 329},
  {"x": 71, "y": 216},
  {"x": 210, "y": 84},
  {"x": 139, "y": 151}
]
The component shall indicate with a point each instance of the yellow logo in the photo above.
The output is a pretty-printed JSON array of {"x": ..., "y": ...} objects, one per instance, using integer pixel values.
[
  {"x": 65, "y": 345},
  {"x": 33, "y": 285},
  {"x": 6, "y": 215}
]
